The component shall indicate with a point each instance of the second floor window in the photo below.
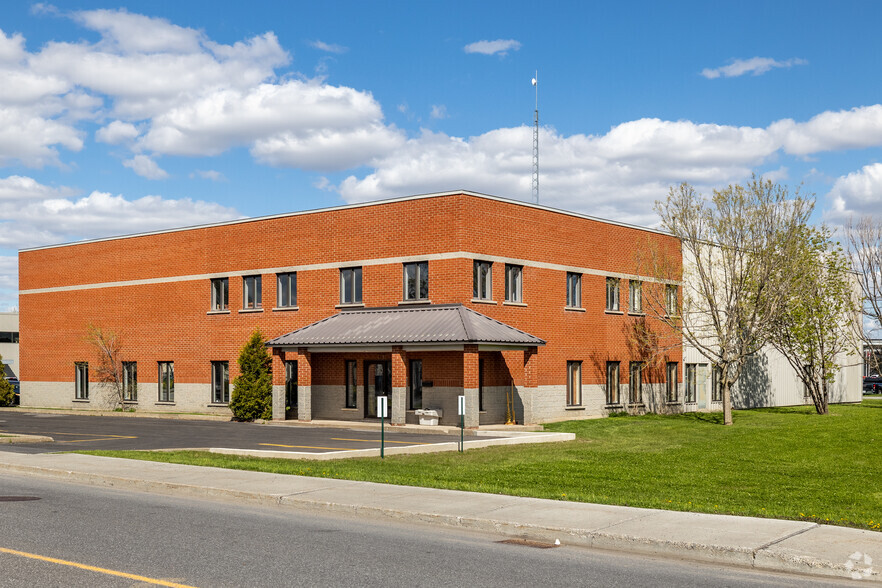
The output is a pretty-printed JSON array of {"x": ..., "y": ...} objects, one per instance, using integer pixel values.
[
  {"x": 574, "y": 290},
  {"x": 350, "y": 285},
  {"x": 220, "y": 293},
  {"x": 514, "y": 283},
  {"x": 482, "y": 281},
  {"x": 612, "y": 294},
  {"x": 286, "y": 290},
  {"x": 416, "y": 281},
  {"x": 252, "y": 295},
  {"x": 671, "y": 300},
  {"x": 635, "y": 296}
]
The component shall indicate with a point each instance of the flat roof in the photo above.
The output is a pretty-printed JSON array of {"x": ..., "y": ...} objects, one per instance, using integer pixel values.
[{"x": 351, "y": 206}]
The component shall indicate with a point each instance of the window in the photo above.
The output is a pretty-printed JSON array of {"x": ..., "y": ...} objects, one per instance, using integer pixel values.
[
  {"x": 574, "y": 383},
  {"x": 291, "y": 383},
  {"x": 351, "y": 384},
  {"x": 220, "y": 382},
  {"x": 612, "y": 382},
  {"x": 691, "y": 384},
  {"x": 513, "y": 283},
  {"x": 252, "y": 297},
  {"x": 716, "y": 384},
  {"x": 350, "y": 285},
  {"x": 220, "y": 293},
  {"x": 286, "y": 290},
  {"x": 416, "y": 384},
  {"x": 482, "y": 281},
  {"x": 166, "y": 381},
  {"x": 416, "y": 281},
  {"x": 130, "y": 381},
  {"x": 636, "y": 379},
  {"x": 671, "y": 300},
  {"x": 672, "y": 382},
  {"x": 635, "y": 296},
  {"x": 612, "y": 293},
  {"x": 574, "y": 290},
  {"x": 8, "y": 336},
  {"x": 81, "y": 382},
  {"x": 480, "y": 385}
]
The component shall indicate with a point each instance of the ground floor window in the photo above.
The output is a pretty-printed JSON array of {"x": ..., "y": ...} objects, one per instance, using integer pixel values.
[
  {"x": 672, "y": 382},
  {"x": 612, "y": 382},
  {"x": 716, "y": 384},
  {"x": 220, "y": 382},
  {"x": 480, "y": 385},
  {"x": 574, "y": 383},
  {"x": 166, "y": 381},
  {"x": 691, "y": 384},
  {"x": 351, "y": 384},
  {"x": 416, "y": 384},
  {"x": 636, "y": 380},
  {"x": 130, "y": 381},
  {"x": 291, "y": 383},
  {"x": 81, "y": 381}
]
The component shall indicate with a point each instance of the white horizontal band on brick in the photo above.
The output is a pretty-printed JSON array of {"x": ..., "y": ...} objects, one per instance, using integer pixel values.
[{"x": 352, "y": 263}]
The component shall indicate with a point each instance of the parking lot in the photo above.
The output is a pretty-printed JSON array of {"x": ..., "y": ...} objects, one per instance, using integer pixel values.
[{"x": 76, "y": 432}]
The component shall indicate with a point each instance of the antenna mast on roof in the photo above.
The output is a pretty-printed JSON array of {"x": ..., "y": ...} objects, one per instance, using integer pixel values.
[{"x": 536, "y": 141}]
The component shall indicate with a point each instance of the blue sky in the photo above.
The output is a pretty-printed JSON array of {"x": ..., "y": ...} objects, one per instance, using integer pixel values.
[{"x": 123, "y": 118}]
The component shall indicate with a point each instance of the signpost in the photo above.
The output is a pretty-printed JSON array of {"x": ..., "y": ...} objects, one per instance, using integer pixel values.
[
  {"x": 382, "y": 412},
  {"x": 460, "y": 406}
]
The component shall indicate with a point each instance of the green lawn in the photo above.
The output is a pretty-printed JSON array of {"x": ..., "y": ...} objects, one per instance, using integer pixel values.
[{"x": 783, "y": 463}]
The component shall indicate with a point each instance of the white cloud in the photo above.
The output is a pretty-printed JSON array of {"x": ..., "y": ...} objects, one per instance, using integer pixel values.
[
  {"x": 859, "y": 193},
  {"x": 439, "y": 111},
  {"x": 209, "y": 174},
  {"x": 498, "y": 47},
  {"x": 146, "y": 167},
  {"x": 857, "y": 128},
  {"x": 117, "y": 132},
  {"x": 754, "y": 65},
  {"x": 329, "y": 47}
]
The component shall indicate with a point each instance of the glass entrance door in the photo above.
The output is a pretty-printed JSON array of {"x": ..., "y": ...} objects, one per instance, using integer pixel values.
[{"x": 377, "y": 382}]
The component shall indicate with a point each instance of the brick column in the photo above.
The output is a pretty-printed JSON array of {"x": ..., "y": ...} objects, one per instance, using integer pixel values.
[
  {"x": 304, "y": 385},
  {"x": 470, "y": 385},
  {"x": 398, "y": 410},
  {"x": 278, "y": 385},
  {"x": 531, "y": 384}
]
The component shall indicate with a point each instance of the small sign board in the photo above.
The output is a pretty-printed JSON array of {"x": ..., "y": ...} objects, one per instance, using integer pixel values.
[
  {"x": 382, "y": 407},
  {"x": 460, "y": 405}
]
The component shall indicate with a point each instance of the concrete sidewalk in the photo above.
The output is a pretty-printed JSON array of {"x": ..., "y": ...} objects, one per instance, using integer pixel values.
[{"x": 768, "y": 544}]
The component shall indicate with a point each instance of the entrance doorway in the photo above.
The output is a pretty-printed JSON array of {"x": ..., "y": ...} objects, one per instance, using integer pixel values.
[{"x": 377, "y": 382}]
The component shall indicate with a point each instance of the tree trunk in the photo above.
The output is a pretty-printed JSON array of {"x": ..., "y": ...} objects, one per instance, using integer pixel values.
[{"x": 727, "y": 402}]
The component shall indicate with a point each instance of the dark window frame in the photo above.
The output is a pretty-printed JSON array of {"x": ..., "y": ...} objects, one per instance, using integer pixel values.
[
  {"x": 415, "y": 381},
  {"x": 420, "y": 280},
  {"x": 220, "y": 294},
  {"x": 130, "y": 381},
  {"x": 635, "y": 296},
  {"x": 252, "y": 287},
  {"x": 613, "y": 382},
  {"x": 81, "y": 380},
  {"x": 514, "y": 283},
  {"x": 672, "y": 381},
  {"x": 166, "y": 383},
  {"x": 690, "y": 378},
  {"x": 612, "y": 294},
  {"x": 355, "y": 295},
  {"x": 716, "y": 384},
  {"x": 635, "y": 393},
  {"x": 291, "y": 383},
  {"x": 574, "y": 385},
  {"x": 574, "y": 290},
  {"x": 351, "y": 383},
  {"x": 220, "y": 382},
  {"x": 286, "y": 290},
  {"x": 482, "y": 280}
]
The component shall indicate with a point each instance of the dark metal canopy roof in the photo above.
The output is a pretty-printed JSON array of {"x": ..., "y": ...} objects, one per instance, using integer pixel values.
[{"x": 442, "y": 323}]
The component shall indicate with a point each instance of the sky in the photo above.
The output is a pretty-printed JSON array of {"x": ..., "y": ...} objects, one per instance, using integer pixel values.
[{"x": 117, "y": 119}]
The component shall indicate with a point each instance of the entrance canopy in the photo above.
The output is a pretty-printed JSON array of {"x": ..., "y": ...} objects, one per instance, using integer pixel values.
[{"x": 444, "y": 325}]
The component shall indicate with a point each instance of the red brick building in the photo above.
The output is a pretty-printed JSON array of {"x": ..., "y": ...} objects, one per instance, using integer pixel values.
[{"x": 543, "y": 303}]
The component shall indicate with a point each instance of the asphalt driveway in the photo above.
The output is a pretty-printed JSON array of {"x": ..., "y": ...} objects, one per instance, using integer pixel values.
[{"x": 76, "y": 432}]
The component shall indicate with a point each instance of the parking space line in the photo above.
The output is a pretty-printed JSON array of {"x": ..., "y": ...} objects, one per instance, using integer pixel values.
[
  {"x": 377, "y": 441},
  {"x": 74, "y": 564},
  {"x": 309, "y": 447}
]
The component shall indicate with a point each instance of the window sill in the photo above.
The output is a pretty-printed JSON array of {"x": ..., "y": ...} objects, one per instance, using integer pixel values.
[
  {"x": 218, "y": 404},
  {"x": 636, "y": 314},
  {"x": 509, "y": 303},
  {"x": 636, "y": 405},
  {"x": 350, "y": 409},
  {"x": 218, "y": 312},
  {"x": 164, "y": 403},
  {"x": 130, "y": 402},
  {"x": 249, "y": 310},
  {"x": 85, "y": 400},
  {"x": 284, "y": 308},
  {"x": 614, "y": 406},
  {"x": 575, "y": 408},
  {"x": 484, "y": 301},
  {"x": 608, "y": 311},
  {"x": 574, "y": 308},
  {"x": 672, "y": 402},
  {"x": 351, "y": 305},
  {"x": 412, "y": 302}
]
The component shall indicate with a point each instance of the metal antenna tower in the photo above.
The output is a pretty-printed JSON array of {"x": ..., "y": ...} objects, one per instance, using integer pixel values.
[{"x": 536, "y": 141}]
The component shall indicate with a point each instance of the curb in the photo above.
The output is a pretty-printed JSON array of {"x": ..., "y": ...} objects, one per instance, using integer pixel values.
[
  {"x": 20, "y": 439},
  {"x": 758, "y": 559}
]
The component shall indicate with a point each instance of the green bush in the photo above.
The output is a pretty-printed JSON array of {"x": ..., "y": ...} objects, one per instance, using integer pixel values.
[
  {"x": 7, "y": 392},
  {"x": 252, "y": 396}
]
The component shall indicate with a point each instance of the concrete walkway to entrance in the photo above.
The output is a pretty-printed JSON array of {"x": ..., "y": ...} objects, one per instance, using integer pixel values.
[{"x": 769, "y": 544}]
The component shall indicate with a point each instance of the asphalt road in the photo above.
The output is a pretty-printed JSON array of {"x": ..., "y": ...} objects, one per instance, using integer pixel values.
[
  {"x": 75, "y": 432},
  {"x": 195, "y": 543}
]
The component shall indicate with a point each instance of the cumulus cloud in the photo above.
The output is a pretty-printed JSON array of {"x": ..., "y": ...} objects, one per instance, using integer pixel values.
[
  {"x": 117, "y": 132},
  {"x": 857, "y": 128},
  {"x": 438, "y": 111},
  {"x": 498, "y": 47},
  {"x": 856, "y": 194},
  {"x": 755, "y": 65},
  {"x": 145, "y": 167},
  {"x": 329, "y": 47},
  {"x": 209, "y": 174}
]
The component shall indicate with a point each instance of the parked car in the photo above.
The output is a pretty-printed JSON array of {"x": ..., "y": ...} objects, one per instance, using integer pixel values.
[{"x": 872, "y": 384}]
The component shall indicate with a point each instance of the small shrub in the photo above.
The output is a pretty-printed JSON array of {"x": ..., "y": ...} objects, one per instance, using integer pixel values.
[
  {"x": 7, "y": 392},
  {"x": 252, "y": 396}
]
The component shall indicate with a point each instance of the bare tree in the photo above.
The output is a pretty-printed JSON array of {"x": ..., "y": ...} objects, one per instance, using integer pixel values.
[
  {"x": 731, "y": 287},
  {"x": 109, "y": 368},
  {"x": 864, "y": 241},
  {"x": 821, "y": 310}
]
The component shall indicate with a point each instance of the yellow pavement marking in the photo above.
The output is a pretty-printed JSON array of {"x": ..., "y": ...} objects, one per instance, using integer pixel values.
[
  {"x": 74, "y": 564},
  {"x": 309, "y": 447},
  {"x": 377, "y": 441},
  {"x": 99, "y": 437}
]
